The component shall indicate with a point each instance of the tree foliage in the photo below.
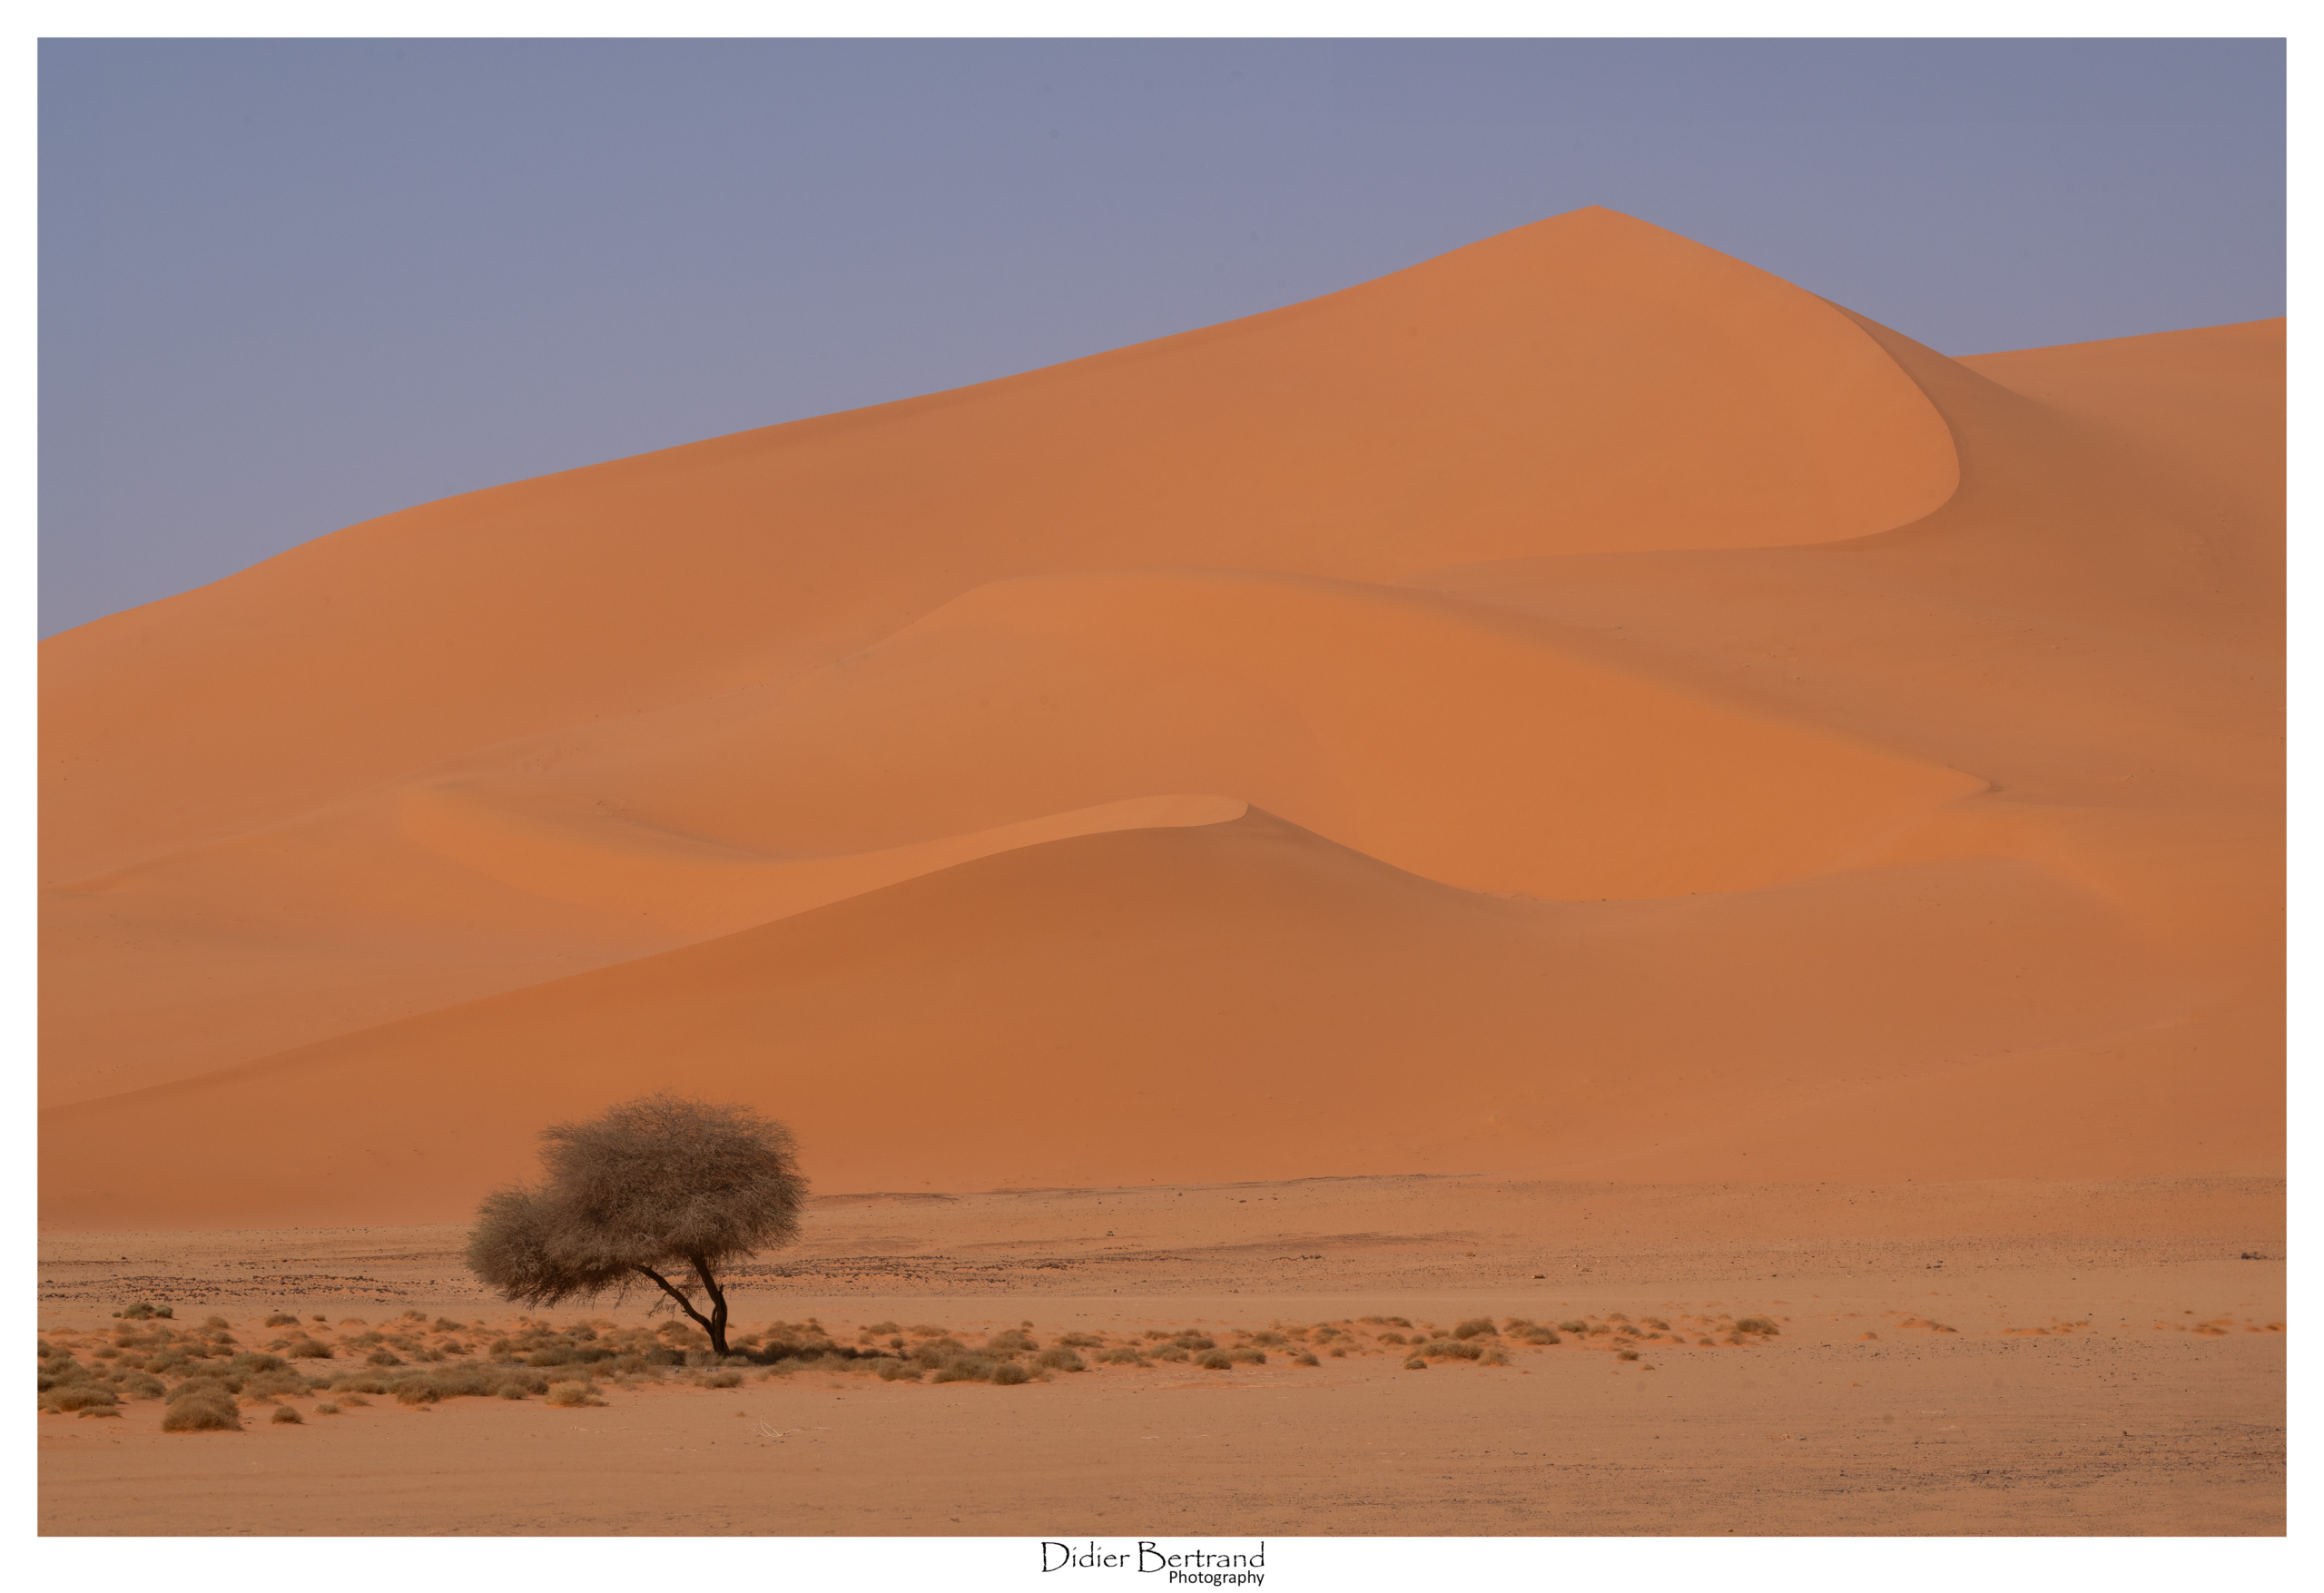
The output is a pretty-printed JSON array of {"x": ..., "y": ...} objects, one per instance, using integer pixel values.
[{"x": 653, "y": 1188}]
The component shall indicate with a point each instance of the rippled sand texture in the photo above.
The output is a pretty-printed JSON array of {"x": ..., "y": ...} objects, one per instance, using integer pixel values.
[{"x": 1580, "y": 707}]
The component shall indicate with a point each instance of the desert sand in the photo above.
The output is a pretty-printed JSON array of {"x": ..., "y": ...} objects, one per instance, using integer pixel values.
[
  {"x": 1580, "y": 712},
  {"x": 1959, "y": 1359}
]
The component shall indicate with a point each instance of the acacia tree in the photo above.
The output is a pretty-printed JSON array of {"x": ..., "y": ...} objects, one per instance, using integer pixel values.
[{"x": 652, "y": 1188}]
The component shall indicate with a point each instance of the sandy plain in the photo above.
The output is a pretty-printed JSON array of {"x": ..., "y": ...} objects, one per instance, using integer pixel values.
[{"x": 1968, "y": 1358}]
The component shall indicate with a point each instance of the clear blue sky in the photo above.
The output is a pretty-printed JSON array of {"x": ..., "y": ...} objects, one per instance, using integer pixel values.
[{"x": 287, "y": 286}]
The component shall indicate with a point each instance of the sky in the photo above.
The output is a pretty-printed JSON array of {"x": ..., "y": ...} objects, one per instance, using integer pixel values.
[{"x": 290, "y": 285}]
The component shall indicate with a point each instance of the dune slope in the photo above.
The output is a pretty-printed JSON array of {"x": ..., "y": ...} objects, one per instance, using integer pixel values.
[{"x": 1580, "y": 704}]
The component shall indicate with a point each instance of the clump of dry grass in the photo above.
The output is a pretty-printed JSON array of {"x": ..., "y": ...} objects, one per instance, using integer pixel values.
[
  {"x": 1415, "y": 1363},
  {"x": 285, "y": 1416},
  {"x": 1756, "y": 1324},
  {"x": 1057, "y": 1358},
  {"x": 1214, "y": 1361},
  {"x": 1392, "y": 1338},
  {"x": 325, "y": 1409},
  {"x": 573, "y": 1394},
  {"x": 281, "y": 1319},
  {"x": 202, "y": 1410},
  {"x": 1307, "y": 1358},
  {"x": 1475, "y": 1327},
  {"x": 1081, "y": 1340},
  {"x": 1121, "y": 1355}
]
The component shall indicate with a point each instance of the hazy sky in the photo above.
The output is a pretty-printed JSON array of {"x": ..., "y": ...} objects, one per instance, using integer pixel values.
[{"x": 288, "y": 286}]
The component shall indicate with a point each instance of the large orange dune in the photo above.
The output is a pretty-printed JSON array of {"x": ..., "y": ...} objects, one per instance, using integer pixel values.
[{"x": 1579, "y": 707}]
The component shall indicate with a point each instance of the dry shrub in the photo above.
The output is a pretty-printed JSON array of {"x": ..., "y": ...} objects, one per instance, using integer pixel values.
[
  {"x": 1415, "y": 1363},
  {"x": 1009, "y": 1373},
  {"x": 1248, "y": 1357},
  {"x": 1057, "y": 1358},
  {"x": 1541, "y": 1335},
  {"x": 216, "y": 1322},
  {"x": 353, "y": 1399},
  {"x": 1492, "y": 1357},
  {"x": 968, "y": 1369},
  {"x": 1402, "y": 1322},
  {"x": 286, "y": 1416},
  {"x": 325, "y": 1409},
  {"x": 1081, "y": 1340},
  {"x": 1475, "y": 1327},
  {"x": 1214, "y": 1361},
  {"x": 416, "y": 1391},
  {"x": 79, "y": 1396},
  {"x": 1305, "y": 1358},
  {"x": 1454, "y": 1350},
  {"x": 1755, "y": 1324},
  {"x": 1273, "y": 1341},
  {"x": 512, "y": 1390},
  {"x": 1170, "y": 1353},
  {"x": 1626, "y": 1355},
  {"x": 1573, "y": 1327},
  {"x": 1009, "y": 1342},
  {"x": 724, "y": 1378},
  {"x": 899, "y": 1372},
  {"x": 280, "y": 1320},
  {"x": 571, "y": 1395},
  {"x": 306, "y": 1349},
  {"x": 926, "y": 1330},
  {"x": 1392, "y": 1338},
  {"x": 882, "y": 1327},
  {"x": 1123, "y": 1356},
  {"x": 204, "y": 1411}
]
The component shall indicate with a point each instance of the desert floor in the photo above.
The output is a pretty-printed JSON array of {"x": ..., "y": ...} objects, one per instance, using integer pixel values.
[{"x": 2113, "y": 1365}]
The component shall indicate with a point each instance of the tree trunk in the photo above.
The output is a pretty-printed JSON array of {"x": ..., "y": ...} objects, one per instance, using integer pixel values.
[
  {"x": 717, "y": 1324},
  {"x": 714, "y": 1324}
]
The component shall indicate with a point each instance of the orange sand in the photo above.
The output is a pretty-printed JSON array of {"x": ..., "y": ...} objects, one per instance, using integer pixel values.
[{"x": 1581, "y": 707}]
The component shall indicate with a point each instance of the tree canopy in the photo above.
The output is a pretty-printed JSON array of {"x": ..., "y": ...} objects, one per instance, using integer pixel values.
[{"x": 651, "y": 1189}]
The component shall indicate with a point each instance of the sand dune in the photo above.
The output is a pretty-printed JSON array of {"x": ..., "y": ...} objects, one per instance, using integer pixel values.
[{"x": 1580, "y": 705}]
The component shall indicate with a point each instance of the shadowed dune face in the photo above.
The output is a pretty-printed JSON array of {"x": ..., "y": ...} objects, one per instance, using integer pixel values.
[{"x": 1686, "y": 729}]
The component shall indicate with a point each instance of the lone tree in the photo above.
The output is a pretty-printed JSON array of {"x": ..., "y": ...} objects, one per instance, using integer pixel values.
[{"x": 652, "y": 1187}]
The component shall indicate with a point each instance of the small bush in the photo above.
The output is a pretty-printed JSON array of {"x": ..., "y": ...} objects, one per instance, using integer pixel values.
[
  {"x": 883, "y": 1327},
  {"x": 926, "y": 1330},
  {"x": 724, "y": 1378},
  {"x": 1475, "y": 1326},
  {"x": 1009, "y": 1373},
  {"x": 1190, "y": 1339},
  {"x": 204, "y": 1410},
  {"x": 569, "y": 1394},
  {"x": 1415, "y": 1363},
  {"x": 280, "y": 1319},
  {"x": 1626, "y": 1354},
  {"x": 1124, "y": 1356},
  {"x": 140, "y": 1312},
  {"x": 79, "y": 1396},
  {"x": 967, "y": 1368},
  {"x": 1392, "y": 1338},
  {"x": 285, "y": 1416},
  {"x": 1009, "y": 1340},
  {"x": 1170, "y": 1353},
  {"x": 1305, "y": 1358},
  {"x": 306, "y": 1349},
  {"x": 1386, "y": 1320},
  {"x": 1214, "y": 1361},
  {"x": 1080, "y": 1340},
  {"x": 1248, "y": 1357},
  {"x": 1755, "y": 1324},
  {"x": 1541, "y": 1335},
  {"x": 1454, "y": 1350},
  {"x": 325, "y": 1409},
  {"x": 1057, "y": 1358},
  {"x": 899, "y": 1372},
  {"x": 1573, "y": 1327},
  {"x": 1271, "y": 1340}
]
